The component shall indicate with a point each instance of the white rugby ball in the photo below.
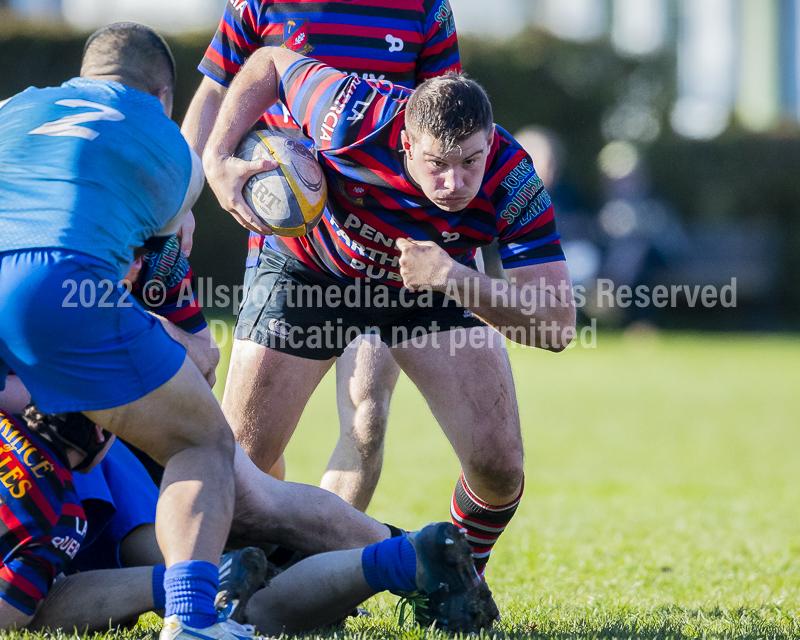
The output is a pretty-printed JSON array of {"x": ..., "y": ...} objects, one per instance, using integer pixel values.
[{"x": 290, "y": 199}]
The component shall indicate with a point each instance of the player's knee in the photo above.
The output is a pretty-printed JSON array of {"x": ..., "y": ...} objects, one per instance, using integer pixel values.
[
  {"x": 214, "y": 435},
  {"x": 501, "y": 476},
  {"x": 225, "y": 442},
  {"x": 12, "y": 618}
]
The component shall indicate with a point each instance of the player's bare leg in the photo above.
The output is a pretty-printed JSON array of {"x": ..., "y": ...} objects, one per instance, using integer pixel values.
[
  {"x": 180, "y": 424},
  {"x": 471, "y": 393},
  {"x": 366, "y": 375},
  {"x": 468, "y": 385},
  {"x": 268, "y": 512},
  {"x": 265, "y": 394},
  {"x": 303, "y": 517},
  {"x": 140, "y": 548},
  {"x": 95, "y": 600},
  {"x": 310, "y": 594},
  {"x": 278, "y": 469},
  {"x": 322, "y": 589}
]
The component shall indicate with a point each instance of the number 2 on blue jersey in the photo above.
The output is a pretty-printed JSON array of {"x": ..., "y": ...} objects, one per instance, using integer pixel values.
[{"x": 68, "y": 125}]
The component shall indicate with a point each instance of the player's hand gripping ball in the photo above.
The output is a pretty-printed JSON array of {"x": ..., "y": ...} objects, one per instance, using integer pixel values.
[{"x": 290, "y": 199}]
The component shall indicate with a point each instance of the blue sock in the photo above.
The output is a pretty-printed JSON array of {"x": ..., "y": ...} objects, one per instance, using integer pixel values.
[
  {"x": 191, "y": 587},
  {"x": 390, "y": 565},
  {"x": 159, "y": 595}
]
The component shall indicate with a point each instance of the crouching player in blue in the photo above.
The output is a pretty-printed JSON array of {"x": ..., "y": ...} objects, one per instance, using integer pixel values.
[{"x": 92, "y": 169}]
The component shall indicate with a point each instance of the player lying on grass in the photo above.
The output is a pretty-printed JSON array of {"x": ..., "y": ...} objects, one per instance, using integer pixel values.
[
  {"x": 44, "y": 526},
  {"x": 417, "y": 181}
]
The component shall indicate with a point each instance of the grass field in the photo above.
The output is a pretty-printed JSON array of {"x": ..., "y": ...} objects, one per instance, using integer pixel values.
[{"x": 662, "y": 496}]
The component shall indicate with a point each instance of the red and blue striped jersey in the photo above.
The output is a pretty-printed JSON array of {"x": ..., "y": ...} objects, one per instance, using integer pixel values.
[
  {"x": 356, "y": 127},
  {"x": 42, "y": 523},
  {"x": 166, "y": 285},
  {"x": 402, "y": 41}
]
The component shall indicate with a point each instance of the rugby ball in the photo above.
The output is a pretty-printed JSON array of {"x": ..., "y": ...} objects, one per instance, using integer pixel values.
[{"x": 290, "y": 199}]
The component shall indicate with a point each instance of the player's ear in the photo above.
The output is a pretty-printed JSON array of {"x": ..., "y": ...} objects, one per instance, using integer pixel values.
[
  {"x": 405, "y": 139},
  {"x": 164, "y": 94},
  {"x": 490, "y": 140}
]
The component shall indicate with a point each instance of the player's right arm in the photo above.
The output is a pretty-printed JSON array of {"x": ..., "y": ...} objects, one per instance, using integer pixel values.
[
  {"x": 255, "y": 89},
  {"x": 439, "y": 53},
  {"x": 196, "y": 128},
  {"x": 202, "y": 113},
  {"x": 233, "y": 42}
]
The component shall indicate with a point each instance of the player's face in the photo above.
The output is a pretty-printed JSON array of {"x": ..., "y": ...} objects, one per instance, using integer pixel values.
[{"x": 450, "y": 180}]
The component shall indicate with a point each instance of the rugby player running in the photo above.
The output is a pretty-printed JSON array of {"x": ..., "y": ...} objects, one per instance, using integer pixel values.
[
  {"x": 371, "y": 40},
  {"x": 436, "y": 180}
]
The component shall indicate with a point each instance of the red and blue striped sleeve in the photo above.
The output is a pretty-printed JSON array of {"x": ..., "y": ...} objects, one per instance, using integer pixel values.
[
  {"x": 526, "y": 223},
  {"x": 27, "y": 575},
  {"x": 167, "y": 285},
  {"x": 235, "y": 40},
  {"x": 42, "y": 523},
  {"x": 439, "y": 54},
  {"x": 338, "y": 110}
]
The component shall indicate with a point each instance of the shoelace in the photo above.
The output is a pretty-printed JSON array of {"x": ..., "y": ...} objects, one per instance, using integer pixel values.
[
  {"x": 417, "y": 602},
  {"x": 236, "y": 628}
]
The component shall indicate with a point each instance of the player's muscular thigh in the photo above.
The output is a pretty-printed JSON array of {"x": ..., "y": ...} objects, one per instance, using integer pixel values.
[{"x": 265, "y": 394}]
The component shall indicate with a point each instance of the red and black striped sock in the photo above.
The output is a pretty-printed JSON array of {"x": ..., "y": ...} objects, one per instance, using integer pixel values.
[{"x": 484, "y": 522}]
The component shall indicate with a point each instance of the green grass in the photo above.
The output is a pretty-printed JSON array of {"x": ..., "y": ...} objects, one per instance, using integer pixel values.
[{"x": 662, "y": 496}]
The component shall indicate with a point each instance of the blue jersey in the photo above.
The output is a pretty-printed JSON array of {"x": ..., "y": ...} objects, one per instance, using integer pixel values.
[{"x": 91, "y": 166}]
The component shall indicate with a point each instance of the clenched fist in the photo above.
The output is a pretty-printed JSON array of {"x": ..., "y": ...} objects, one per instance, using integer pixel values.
[{"x": 424, "y": 263}]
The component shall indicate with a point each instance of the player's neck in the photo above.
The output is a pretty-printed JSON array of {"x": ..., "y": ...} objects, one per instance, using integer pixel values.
[{"x": 117, "y": 78}]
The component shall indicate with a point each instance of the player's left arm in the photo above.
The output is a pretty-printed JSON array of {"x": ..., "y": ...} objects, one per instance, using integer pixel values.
[
  {"x": 536, "y": 309},
  {"x": 196, "y": 182}
]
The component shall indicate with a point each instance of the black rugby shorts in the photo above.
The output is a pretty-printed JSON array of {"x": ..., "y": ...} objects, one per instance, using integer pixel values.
[{"x": 292, "y": 308}]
